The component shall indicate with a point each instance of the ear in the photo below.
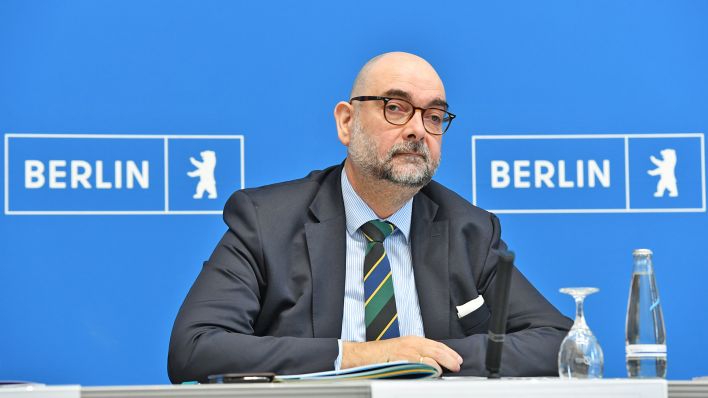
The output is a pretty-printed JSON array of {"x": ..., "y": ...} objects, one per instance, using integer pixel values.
[{"x": 344, "y": 117}]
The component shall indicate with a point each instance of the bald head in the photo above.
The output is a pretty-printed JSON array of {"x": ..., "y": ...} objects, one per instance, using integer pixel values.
[
  {"x": 386, "y": 68},
  {"x": 385, "y": 151}
]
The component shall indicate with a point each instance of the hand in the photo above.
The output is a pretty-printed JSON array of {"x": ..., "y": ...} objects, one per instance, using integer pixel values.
[{"x": 408, "y": 348}]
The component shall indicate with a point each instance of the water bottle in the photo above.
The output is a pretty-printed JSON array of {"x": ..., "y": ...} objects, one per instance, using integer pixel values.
[{"x": 646, "y": 335}]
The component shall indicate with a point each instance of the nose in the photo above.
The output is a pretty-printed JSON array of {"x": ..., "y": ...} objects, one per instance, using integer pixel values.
[{"x": 414, "y": 129}]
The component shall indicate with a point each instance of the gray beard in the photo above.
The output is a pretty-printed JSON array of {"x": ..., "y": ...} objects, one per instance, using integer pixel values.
[{"x": 364, "y": 153}]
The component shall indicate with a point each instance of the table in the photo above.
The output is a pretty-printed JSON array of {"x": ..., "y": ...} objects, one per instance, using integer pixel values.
[{"x": 454, "y": 387}]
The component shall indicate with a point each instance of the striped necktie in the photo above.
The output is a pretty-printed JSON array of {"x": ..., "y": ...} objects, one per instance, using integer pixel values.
[{"x": 381, "y": 317}]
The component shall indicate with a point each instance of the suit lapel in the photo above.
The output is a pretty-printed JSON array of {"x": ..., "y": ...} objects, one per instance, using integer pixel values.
[
  {"x": 326, "y": 245},
  {"x": 429, "y": 246}
]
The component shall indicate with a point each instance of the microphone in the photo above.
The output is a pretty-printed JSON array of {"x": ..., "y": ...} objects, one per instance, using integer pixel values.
[{"x": 500, "y": 311}]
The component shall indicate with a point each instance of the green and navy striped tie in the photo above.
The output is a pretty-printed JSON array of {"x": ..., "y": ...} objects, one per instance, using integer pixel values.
[{"x": 381, "y": 317}]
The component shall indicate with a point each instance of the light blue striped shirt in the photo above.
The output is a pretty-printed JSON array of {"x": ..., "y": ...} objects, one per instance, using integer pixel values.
[{"x": 397, "y": 247}]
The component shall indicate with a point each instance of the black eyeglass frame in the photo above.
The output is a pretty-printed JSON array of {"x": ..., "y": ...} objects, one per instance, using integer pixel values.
[{"x": 451, "y": 116}]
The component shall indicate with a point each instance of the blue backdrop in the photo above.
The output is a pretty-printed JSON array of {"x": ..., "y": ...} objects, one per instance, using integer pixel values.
[{"x": 90, "y": 299}]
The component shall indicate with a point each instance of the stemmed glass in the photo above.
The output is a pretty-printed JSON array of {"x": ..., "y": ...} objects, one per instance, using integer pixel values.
[{"x": 580, "y": 355}]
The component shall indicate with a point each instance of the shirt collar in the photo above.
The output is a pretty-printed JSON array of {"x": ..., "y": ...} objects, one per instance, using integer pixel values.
[{"x": 358, "y": 213}]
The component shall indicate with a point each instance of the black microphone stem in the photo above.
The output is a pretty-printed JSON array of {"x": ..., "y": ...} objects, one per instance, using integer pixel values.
[{"x": 500, "y": 310}]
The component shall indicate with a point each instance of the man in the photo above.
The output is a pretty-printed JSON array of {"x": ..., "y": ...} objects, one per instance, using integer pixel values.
[{"x": 289, "y": 287}]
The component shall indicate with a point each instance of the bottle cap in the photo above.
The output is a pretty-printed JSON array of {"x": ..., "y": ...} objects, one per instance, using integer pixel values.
[{"x": 642, "y": 252}]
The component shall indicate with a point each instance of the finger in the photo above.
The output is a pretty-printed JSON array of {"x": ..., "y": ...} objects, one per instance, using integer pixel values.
[
  {"x": 449, "y": 351},
  {"x": 431, "y": 362},
  {"x": 444, "y": 358},
  {"x": 447, "y": 361}
]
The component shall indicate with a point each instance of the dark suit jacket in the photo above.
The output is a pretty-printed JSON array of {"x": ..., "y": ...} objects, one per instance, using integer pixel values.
[{"x": 271, "y": 296}]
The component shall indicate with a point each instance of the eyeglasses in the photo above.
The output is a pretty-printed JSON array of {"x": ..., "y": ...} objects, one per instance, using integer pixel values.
[{"x": 397, "y": 111}]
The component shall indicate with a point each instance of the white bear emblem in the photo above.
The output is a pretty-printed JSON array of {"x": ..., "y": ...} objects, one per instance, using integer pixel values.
[
  {"x": 666, "y": 170},
  {"x": 205, "y": 172}
]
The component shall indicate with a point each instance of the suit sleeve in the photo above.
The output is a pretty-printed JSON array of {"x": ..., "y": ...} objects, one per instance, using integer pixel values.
[
  {"x": 214, "y": 330},
  {"x": 535, "y": 328}
]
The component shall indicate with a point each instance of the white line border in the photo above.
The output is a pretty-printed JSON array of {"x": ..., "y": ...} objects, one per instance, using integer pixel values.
[
  {"x": 626, "y": 138},
  {"x": 583, "y": 136},
  {"x": 627, "y": 201},
  {"x": 703, "y": 170},
  {"x": 166, "y": 167},
  {"x": 131, "y": 136},
  {"x": 164, "y": 137},
  {"x": 109, "y": 212},
  {"x": 7, "y": 175},
  {"x": 474, "y": 171}
]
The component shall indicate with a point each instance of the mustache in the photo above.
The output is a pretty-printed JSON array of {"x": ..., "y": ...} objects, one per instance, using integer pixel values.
[{"x": 416, "y": 147}]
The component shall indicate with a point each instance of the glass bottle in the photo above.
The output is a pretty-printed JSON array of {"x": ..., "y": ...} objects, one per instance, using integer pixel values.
[{"x": 645, "y": 331}]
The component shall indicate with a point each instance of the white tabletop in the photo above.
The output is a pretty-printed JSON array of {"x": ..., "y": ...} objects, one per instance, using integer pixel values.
[{"x": 449, "y": 387}]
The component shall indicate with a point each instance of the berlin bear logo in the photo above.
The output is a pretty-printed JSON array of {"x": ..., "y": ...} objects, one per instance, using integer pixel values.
[
  {"x": 205, "y": 172},
  {"x": 666, "y": 170}
]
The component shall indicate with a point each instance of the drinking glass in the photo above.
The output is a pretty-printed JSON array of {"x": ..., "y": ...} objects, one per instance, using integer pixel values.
[{"x": 580, "y": 355}]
